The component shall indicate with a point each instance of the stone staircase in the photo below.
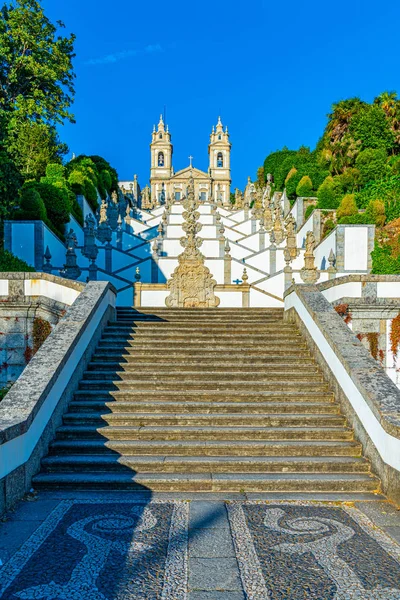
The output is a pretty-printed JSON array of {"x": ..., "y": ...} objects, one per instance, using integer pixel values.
[{"x": 204, "y": 400}]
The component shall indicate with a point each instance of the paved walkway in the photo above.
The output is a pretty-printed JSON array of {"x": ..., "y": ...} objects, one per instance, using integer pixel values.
[{"x": 200, "y": 547}]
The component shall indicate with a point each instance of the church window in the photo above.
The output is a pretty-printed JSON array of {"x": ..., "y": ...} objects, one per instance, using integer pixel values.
[
  {"x": 203, "y": 196},
  {"x": 220, "y": 160},
  {"x": 160, "y": 136},
  {"x": 220, "y": 137},
  {"x": 177, "y": 196},
  {"x": 161, "y": 159}
]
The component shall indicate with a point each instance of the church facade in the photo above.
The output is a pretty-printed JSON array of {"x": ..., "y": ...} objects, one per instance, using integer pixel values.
[{"x": 165, "y": 183}]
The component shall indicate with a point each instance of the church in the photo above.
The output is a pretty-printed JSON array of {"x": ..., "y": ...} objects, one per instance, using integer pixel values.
[{"x": 166, "y": 184}]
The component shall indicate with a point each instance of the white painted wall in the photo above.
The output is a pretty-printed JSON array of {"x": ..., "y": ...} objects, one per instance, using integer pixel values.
[
  {"x": 356, "y": 248},
  {"x": 49, "y": 289}
]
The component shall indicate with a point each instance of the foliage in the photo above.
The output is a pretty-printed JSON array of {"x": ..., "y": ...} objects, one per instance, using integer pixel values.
[
  {"x": 305, "y": 187},
  {"x": 395, "y": 336},
  {"x": 384, "y": 260},
  {"x": 4, "y": 390},
  {"x": 10, "y": 182},
  {"x": 10, "y": 263},
  {"x": 31, "y": 206},
  {"x": 40, "y": 332},
  {"x": 36, "y": 74},
  {"x": 292, "y": 183},
  {"x": 358, "y": 219},
  {"x": 387, "y": 190},
  {"x": 347, "y": 207},
  {"x": 32, "y": 146},
  {"x": 329, "y": 193},
  {"x": 260, "y": 177},
  {"x": 309, "y": 210},
  {"x": 372, "y": 128},
  {"x": 375, "y": 213},
  {"x": 371, "y": 164},
  {"x": 329, "y": 226},
  {"x": 57, "y": 203},
  {"x": 350, "y": 180}
]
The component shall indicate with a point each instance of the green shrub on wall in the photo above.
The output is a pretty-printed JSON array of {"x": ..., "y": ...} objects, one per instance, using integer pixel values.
[
  {"x": 10, "y": 263},
  {"x": 31, "y": 206},
  {"x": 329, "y": 193},
  {"x": 309, "y": 210},
  {"x": 347, "y": 207},
  {"x": 305, "y": 187},
  {"x": 384, "y": 262}
]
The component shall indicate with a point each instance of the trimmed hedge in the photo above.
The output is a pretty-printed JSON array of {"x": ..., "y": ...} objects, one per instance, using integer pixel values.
[{"x": 10, "y": 263}]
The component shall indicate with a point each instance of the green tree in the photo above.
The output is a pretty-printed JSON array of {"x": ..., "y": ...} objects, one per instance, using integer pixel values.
[
  {"x": 372, "y": 128},
  {"x": 31, "y": 206},
  {"x": 33, "y": 145},
  {"x": 305, "y": 187},
  {"x": 371, "y": 164},
  {"x": 36, "y": 74},
  {"x": 375, "y": 212}
]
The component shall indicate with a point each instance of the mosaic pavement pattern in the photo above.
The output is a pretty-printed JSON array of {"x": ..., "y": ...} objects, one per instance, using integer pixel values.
[
  {"x": 97, "y": 550},
  {"x": 316, "y": 551}
]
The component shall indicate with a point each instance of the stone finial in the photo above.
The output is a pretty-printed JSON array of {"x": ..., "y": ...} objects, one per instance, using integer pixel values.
[
  {"x": 47, "y": 267},
  {"x": 227, "y": 248},
  {"x": 332, "y": 270},
  {"x": 138, "y": 276},
  {"x": 245, "y": 276},
  {"x": 155, "y": 247},
  {"x": 287, "y": 257},
  {"x": 272, "y": 238}
]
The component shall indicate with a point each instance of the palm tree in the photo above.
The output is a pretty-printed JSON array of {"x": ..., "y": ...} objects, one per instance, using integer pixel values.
[
  {"x": 340, "y": 117},
  {"x": 390, "y": 104}
]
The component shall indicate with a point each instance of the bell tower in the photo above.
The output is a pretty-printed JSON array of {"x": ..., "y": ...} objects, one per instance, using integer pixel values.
[
  {"x": 161, "y": 170},
  {"x": 219, "y": 151}
]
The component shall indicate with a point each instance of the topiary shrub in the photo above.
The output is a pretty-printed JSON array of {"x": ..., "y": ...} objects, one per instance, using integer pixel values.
[
  {"x": 292, "y": 172},
  {"x": 10, "y": 263},
  {"x": 292, "y": 184},
  {"x": 31, "y": 206},
  {"x": 375, "y": 213},
  {"x": 329, "y": 193},
  {"x": 57, "y": 203},
  {"x": 347, "y": 207},
  {"x": 54, "y": 172},
  {"x": 90, "y": 193},
  {"x": 77, "y": 182},
  {"x": 106, "y": 179},
  {"x": 359, "y": 219},
  {"x": 305, "y": 187}
]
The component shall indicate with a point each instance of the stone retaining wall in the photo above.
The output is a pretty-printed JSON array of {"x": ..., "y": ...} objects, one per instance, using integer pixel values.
[{"x": 33, "y": 408}]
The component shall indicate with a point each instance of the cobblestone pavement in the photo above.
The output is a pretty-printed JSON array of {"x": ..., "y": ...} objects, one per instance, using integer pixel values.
[{"x": 61, "y": 546}]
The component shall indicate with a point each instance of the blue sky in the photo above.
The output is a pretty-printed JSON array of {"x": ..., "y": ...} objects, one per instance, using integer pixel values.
[{"x": 271, "y": 69}]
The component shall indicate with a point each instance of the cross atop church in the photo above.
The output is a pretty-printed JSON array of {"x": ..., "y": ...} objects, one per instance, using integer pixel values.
[{"x": 191, "y": 160}]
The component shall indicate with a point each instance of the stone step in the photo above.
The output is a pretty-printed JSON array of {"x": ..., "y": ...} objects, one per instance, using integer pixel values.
[
  {"x": 189, "y": 326},
  {"x": 182, "y": 384},
  {"x": 278, "y": 333},
  {"x": 204, "y": 420},
  {"x": 154, "y": 354},
  {"x": 200, "y": 375},
  {"x": 220, "y": 341},
  {"x": 204, "y": 433},
  {"x": 195, "y": 366},
  {"x": 240, "y": 449},
  {"x": 138, "y": 407},
  {"x": 197, "y": 464},
  {"x": 206, "y": 396},
  {"x": 219, "y": 482}
]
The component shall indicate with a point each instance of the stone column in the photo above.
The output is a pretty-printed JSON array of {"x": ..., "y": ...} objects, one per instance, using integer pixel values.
[
  {"x": 108, "y": 258},
  {"x": 227, "y": 264},
  {"x": 245, "y": 290},
  {"x": 340, "y": 248},
  {"x": 371, "y": 243}
]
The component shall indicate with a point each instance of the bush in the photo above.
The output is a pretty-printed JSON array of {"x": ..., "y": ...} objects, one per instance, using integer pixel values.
[
  {"x": 359, "y": 219},
  {"x": 309, "y": 210},
  {"x": 305, "y": 187},
  {"x": 383, "y": 260},
  {"x": 10, "y": 263},
  {"x": 371, "y": 164},
  {"x": 106, "y": 179},
  {"x": 91, "y": 193},
  {"x": 77, "y": 182},
  {"x": 292, "y": 184},
  {"x": 329, "y": 193},
  {"x": 57, "y": 203},
  {"x": 376, "y": 212},
  {"x": 347, "y": 207},
  {"x": 54, "y": 172},
  {"x": 387, "y": 190},
  {"x": 350, "y": 180},
  {"x": 32, "y": 207},
  {"x": 329, "y": 226}
]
